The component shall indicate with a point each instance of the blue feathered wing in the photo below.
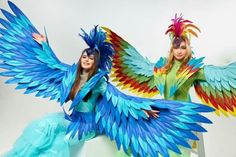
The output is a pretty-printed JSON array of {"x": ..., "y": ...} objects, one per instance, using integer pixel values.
[
  {"x": 30, "y": 65},
  {"x": 121, "y": 117},
  {"x": 83, "y": 124}
]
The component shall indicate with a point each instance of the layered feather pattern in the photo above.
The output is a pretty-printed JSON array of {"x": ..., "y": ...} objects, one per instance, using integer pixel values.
[
  {"x": 122, "y": 119},
  {"x": 30, "y": 65},
  {"x": 219, "y": 90},
  {"x": 130, "y": 69}
]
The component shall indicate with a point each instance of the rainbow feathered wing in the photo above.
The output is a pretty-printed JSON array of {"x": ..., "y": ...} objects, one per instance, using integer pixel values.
[
  {"x": 219, "y": 89},
  {"x": 132, "y": 71}
]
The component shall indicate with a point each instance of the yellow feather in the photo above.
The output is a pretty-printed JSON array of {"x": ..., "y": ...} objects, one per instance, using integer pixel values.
[
  {"x": 125, "y": 86},
  {"x": 113, "y": 75},
  {"x": 217, "y": 112},
  {"x": 113, "y": 70},
  {"x": 119, "y": 84},
  {"x": 115, "y": 79},
  {"x": 106, "y": 29},
  {"x": 183, "y": 73},
  {"x": 225, "y": 113},
  {"x": 233, "y": 113}
]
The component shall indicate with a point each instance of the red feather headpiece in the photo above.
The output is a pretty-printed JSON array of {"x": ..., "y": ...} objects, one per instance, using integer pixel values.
[{"x": 181, "y": 28}]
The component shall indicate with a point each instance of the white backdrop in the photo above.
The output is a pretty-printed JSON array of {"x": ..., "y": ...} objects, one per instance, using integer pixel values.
[{"x": 142, "y": 23}]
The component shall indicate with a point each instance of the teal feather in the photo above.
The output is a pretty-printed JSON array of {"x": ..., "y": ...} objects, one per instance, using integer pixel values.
[
  {"x": 135, "y": 143},
  {"x": 114, "y": 130},
  {"x": 97, "y": 117},
  {"x": 126, "y": 141},
  {"x": 137, "y": 63},
  {"x": 151, "y": 143},
  {"x": 115, "y": 100},
  {"x": 133, "y": 113},
  {"x": 142, "y": 144},
  {"x": 108, "y": 126},
  {"x": 185, "y": 118},
  {"x": 121, "y": 135}
]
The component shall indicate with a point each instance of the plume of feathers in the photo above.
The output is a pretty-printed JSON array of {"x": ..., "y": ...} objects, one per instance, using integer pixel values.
[
  {"x": 96, "y": 40},
  {"x": 181, "y": 28}
]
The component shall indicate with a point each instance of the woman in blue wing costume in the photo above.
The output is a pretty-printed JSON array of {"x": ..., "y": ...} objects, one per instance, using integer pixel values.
[
  {"x": 46, "y": 136},
  {"x": 97, "y": 106}
]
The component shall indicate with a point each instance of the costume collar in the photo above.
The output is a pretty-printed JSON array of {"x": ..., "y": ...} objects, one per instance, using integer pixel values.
[
  {"x": 88, "y": 86},
  {"x": 191, "y": 68}
]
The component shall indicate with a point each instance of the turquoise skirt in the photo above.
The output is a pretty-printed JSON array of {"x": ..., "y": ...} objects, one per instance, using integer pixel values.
[{"x": 44, "y": 137}]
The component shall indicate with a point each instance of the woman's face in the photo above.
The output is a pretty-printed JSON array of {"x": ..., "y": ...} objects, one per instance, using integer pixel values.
[
  {"x": 87, "y": 61},
  {"x": 180, "y": 52}
]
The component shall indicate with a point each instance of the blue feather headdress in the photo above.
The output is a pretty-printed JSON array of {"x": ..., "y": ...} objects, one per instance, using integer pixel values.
[{"x": 96, "y": 40}]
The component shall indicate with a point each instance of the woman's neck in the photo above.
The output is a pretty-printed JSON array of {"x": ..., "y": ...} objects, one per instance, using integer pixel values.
[
  {"x": 83, "y": 78},
  {"x": 84, "y": 75},
  {"x": 84, "y": 72},
  {"x": 177, "y": 61}
]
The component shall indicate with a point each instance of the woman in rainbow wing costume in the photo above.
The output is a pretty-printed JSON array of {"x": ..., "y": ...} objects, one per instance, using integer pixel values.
[
  {"x": 173, "y": 76},
  {"x": 97, "y": 107}
]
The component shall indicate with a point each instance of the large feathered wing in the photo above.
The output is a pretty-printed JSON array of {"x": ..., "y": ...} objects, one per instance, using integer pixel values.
[
  {"x": 130, "y": 69},
  {"x": 30, "y": 65},
  {"x": 219, "y": 89},
  {"x": 121, "y": 117}
]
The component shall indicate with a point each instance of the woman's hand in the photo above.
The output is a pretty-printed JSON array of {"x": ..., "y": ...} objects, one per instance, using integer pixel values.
[
  {"x": 151, "y": 113},
  {"x": 39, "y": 38}
]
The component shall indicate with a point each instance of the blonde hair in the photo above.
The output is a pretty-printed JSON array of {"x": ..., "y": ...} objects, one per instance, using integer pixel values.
[{"x": 170, "y": 59}]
